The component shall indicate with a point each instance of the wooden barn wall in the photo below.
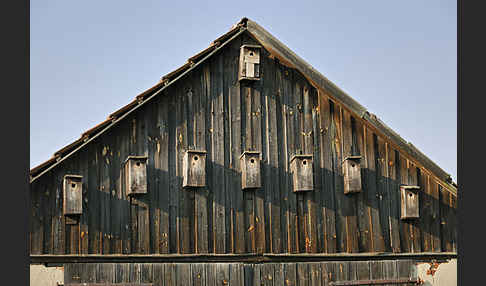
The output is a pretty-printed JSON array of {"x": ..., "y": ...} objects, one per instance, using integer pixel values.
[
  {"x": 280, "y": 115},
  {"x": 300, "y": 273}
]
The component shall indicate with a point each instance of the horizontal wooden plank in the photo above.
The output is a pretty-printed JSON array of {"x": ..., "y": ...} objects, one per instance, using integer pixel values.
[{"x": 246, "y": 258}]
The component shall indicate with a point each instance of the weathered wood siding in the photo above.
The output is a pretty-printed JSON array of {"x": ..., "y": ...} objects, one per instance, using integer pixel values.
[
  {"x": 300, "y": 273},
  {"x": 280, "y": 115}
]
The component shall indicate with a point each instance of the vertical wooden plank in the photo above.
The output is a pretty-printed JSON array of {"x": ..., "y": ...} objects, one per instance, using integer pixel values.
[
  {"x": 310, "y": 214},
  {"x": 362, "y": 206},
  {"x": 453, "y": 220},
  {"x": 303, "y": 274},
  {"x": 236, "y": 274},
  {"x": 122, "y": 272},
  {"x": 36, "y": 224},
  {"x": 383, "y": 194},
  {"x": 186, "y": 207},
  {"x": 134, "y": 272},
  {"x": 93, "y": 199},
  {"x": 236, "y": 142},
  {"x": 336, "y": 150},
  {"x": 349, "y": 202},
  {"x": 48, "y": 208},
  {"x": 58, "y": 220},
  {"x": 145, "y": 200},
  {"x": 257, "y": 269},
  {"x": 183, "y": 271},
  {"x": 170, "y": 274},
  {"x": 404, "y": 269},
  {"x": 113, "y": 191},
  {"x": 162, "y": 169},
  {"x": 134, "y": 222},
  {"x": 141, "y": 203},
  {"x": 200, "y": 195},
  {"x": 209, "y": 124},
  {"x": 74, "y": 237},
  {"x": 299, "y": 149},
  {"x": 292, "y": 140},
  {"x": 435, "y": 223},
  {"x": 259, "y": 194},
  {"x": 248, "y": 274},
  {"x": 158, "y": 274},
  {"x": 290, "y": 274},
  {"x": 369, "y": 184},
  {"x": 229, "y": 76},
  {"x": 88, "y": 272},
  {"x": 267, "y": 274},
  {"x": 278, "y": 276},
  {"x": 125, "y": 209},
  {"x": 376, "y": 270},
  {"x": 315, "y": 273},
  {"x": 394, "y": 195},
  {"x": 117, "y": 180},
  {"x": 405, "y": 235},
  {"x": 72, "y": 273},
  {"x": 390, "y": 270},
  {"x": 328, "y": 272},
  {"x": 248, "y": 196},
  {"x": 222, "y": 273},
  {"x": 328, "y": 202},
  {"x": 105, "y": 193},
  {"x": 271, "y": 157},
  {"x": 362, "y": 270},
  {"x": 283, "y": 129},
  {"x": 151, "y": 125},
  {"x": 415, "y": 224},
  {"x": 105, "y": 273},
  {"x": 217, "y": 156},
  {"x": 353, "y": 270},
  {"x": 445, "y": 227},
  {"x": 198, "y": 274},
  {"x": 318, "y": 196},
  {"x": 146, "y": 273},
  {"x": 425, "y": 211},
  {"x": 173, "y": 179},
  {"x": 342, "y": 270}
]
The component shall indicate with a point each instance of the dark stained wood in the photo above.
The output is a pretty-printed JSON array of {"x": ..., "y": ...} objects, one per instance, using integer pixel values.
[
  {"x": 259, "y": 194},
  {"x": 445, "y": 223},
  {"x": 415, "y": 223},
  {"x": 319, "y": 243},
  {"x": 283, "y": 129},
  {"x": 105, "y": 192},
  {"x": 200, "y": 195},
  {"x": 336, "y": 150},
  {"x": 58, "y": 219},
  {"x": 37, "y": 217},
  {"x": 272, "y": 154},
  {"x": 173, "y": 179},
  {"x": 303, "y": 274},
  {"x": 349, "y": 201},
  {"x": 185, "y": 206},
  {"x": 327, "y": 195},
  {"x": 290, "y": 274},
  {"x": 217, "y": 156},
  {"x": 393, "y": 192},
  {"x": 363, "y": 209},
  {"x": 382, "y": 189},
  {"x": 425, "y": 207},
  {"x": 405, "y": 227}
]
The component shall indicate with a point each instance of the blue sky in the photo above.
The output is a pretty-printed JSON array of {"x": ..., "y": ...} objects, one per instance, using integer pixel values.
[{"x": 397, "y": 58}]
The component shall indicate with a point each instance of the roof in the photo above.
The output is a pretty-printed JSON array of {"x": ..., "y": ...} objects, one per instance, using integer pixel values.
[{"x": 285, "y": 56}]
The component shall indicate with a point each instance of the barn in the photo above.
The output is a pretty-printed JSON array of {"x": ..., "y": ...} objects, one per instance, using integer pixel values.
[{"x": 245, "y": 166}]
